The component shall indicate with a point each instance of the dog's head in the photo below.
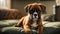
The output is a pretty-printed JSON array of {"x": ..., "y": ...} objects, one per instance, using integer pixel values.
[{"x": 35, "y": 10}]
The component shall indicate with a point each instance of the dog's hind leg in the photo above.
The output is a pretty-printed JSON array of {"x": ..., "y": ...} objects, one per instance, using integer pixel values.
[{"x": 19, "y": 24}]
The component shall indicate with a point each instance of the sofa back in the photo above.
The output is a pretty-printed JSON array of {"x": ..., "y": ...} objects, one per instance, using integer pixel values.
[{"x": 9, "y": 14}]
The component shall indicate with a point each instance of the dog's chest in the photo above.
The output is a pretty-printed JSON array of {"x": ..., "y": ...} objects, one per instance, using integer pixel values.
[{"x": 34, "y": 24}]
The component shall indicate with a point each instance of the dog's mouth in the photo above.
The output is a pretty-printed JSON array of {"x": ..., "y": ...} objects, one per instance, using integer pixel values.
[{"x": 35, "y": 16}]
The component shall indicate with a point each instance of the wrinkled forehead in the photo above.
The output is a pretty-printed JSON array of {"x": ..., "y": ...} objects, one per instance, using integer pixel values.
[{"x": 35, "y": 7}]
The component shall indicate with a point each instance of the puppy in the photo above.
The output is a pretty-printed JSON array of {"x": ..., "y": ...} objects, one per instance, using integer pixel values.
[{"x": 32, "y": 19}]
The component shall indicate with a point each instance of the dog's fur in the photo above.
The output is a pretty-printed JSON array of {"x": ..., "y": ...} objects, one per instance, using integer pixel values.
[{"x": 34, "y": 12}]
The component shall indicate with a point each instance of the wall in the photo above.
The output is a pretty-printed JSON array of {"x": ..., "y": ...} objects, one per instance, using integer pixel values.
[
  {"x": 49, "y": 6},
  {"x": 17, "y": 4},
  {"x": 8, "y": 3},
  {"x": 58, "y": 2}
]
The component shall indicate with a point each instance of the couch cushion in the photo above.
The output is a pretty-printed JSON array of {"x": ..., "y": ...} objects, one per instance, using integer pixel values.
[
  {"x": 6, "y": 23},
  {"x": 14, "y": 30}
]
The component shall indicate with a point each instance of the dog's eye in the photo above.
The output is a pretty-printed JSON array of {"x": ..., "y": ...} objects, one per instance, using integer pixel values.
[{"x": 31, "y": 11}]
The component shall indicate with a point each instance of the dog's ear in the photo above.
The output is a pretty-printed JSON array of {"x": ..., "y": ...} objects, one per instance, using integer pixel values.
[
  {"x": 27, "y": 7},
  {"x": 43, "y": 9}
]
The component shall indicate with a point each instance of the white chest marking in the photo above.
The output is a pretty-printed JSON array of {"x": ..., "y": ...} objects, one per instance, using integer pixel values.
[{"x": 34, "y": 24}]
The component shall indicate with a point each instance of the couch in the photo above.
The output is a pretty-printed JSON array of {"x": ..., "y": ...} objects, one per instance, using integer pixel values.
[{"x": 9, "y": 17}]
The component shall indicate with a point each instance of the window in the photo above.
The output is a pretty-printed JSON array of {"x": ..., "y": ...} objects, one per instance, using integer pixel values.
[{"x": 3, "y": 3}]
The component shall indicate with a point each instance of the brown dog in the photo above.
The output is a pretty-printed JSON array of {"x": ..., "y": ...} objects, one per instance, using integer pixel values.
[{"x": 33, "y": 19}]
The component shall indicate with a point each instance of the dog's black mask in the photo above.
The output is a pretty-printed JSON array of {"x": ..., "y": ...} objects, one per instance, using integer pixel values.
[{"x": 35, "y": 13}]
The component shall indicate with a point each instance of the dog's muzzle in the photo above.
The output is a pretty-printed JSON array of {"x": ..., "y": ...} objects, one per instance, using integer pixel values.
[{"x": 35, "y": 15}]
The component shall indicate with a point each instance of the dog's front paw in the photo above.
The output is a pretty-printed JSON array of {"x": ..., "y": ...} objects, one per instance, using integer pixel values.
[{"x": 28, "y": 32}]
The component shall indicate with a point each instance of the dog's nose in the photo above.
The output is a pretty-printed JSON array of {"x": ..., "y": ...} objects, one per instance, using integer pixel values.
[{"x": 35, "y": 14}]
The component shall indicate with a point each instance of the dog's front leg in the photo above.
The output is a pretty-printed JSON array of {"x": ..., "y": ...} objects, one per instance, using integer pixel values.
[
  {"x": 27, "y": 29},
  {"x": 40, "y": 28}
]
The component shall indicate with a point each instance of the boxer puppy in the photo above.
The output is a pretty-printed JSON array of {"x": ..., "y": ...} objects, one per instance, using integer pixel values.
[{"x": 32, "y": 19}]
